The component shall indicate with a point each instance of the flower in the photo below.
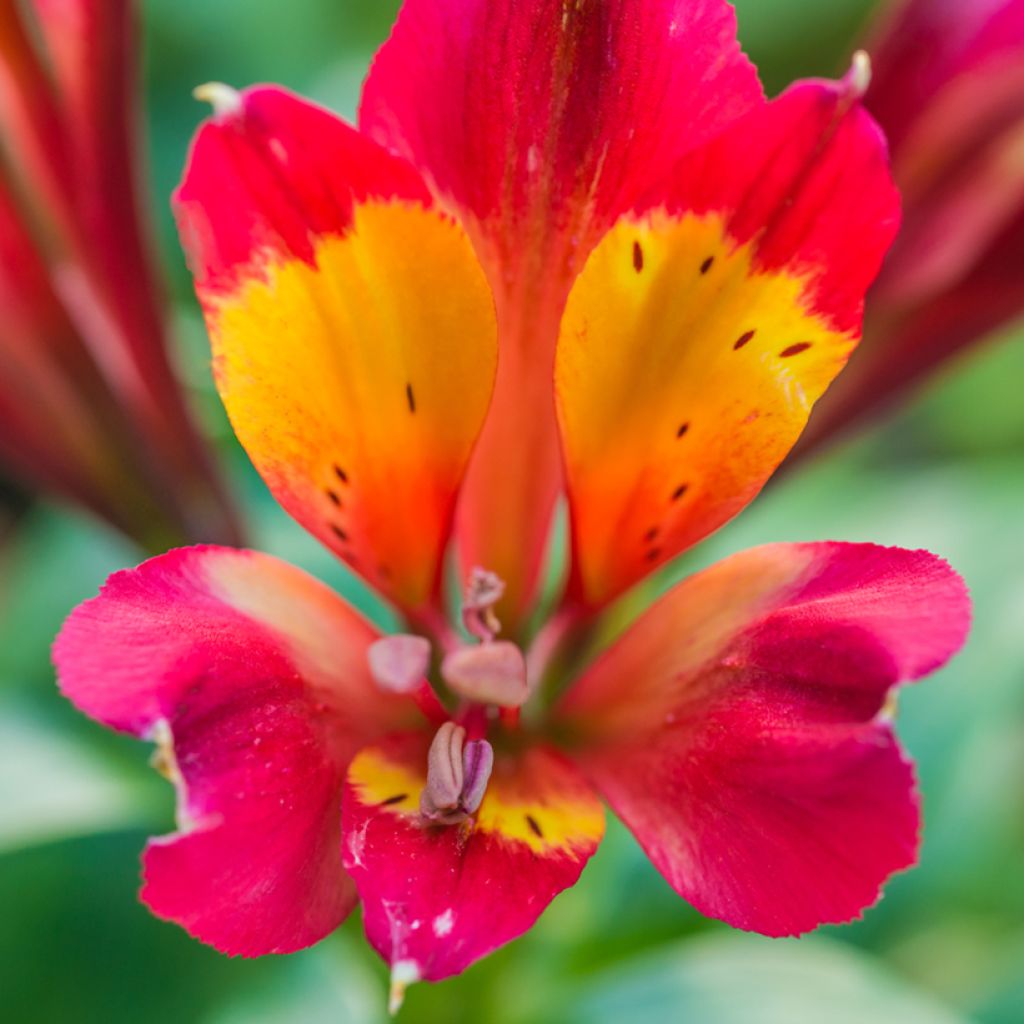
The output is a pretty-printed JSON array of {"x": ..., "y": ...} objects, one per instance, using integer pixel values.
[
  {"x": 592, "y": 206},
  {"x": 89, "y": 405},
  {"x": 948, "y": 90}
]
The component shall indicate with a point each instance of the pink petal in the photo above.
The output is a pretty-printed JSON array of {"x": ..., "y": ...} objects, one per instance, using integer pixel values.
[
  {"x": 741, "y": 728},
  {"x": 252, "y": 678}
]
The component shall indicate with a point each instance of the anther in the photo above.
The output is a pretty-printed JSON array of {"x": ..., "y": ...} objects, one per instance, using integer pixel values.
[
  {"x": 491, "y": 673},
  {"x": 457, "y": 776},
  {"x": 399, "y": 663},
  {"x": 477, "y": 763},
  {"x": 483, "y": 591}
]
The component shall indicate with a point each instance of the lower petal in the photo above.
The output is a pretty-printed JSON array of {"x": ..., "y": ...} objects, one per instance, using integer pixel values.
[
  {"x": 772, "y": 834},
  {"x": 437, "y": 898},
  {"x": 255, "y": 865},
  {"x": 741, "y": 728},
  {"x": 252, "y": 679}
]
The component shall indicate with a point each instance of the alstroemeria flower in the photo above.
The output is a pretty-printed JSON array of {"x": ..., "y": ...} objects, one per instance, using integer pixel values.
[
  {"x": 592, "y": 206},
  {"x": 89, "y": 405},
  {"x": 948, "y": 89}
]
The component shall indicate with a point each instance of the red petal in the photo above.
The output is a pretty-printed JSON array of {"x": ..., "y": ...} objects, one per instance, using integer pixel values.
[
  {"x": 542, "y": 119},
  {"x": 253, "y": 679},
  {"x": 435, "y": 899},
  {"x": 740, "y": 728},
  {"x": 540, "y": 122}
]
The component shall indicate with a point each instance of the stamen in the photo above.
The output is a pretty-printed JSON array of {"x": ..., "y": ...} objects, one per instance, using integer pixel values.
[
  {"x": 491, "y": 673},
  {"x": 483, "y": 591},
  {"x": 399, "y": 664},
  {"x": 444, "y": 770},
  {"x": 477, "y": 763},
  {"x": 457, "y": 776}
]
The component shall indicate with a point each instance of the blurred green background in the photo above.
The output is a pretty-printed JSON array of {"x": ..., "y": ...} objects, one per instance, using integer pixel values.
[{"x": 947, "y": 473}]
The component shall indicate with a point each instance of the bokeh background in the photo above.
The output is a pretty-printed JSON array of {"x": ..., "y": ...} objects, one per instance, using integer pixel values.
[{"x": 946, "y": 472}]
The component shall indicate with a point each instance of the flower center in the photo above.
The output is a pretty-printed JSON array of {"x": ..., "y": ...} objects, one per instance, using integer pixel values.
[{"x": 484, "y": 676}]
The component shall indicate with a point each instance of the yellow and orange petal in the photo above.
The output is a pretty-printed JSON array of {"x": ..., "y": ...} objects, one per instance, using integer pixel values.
[
  {"x": 353, "y": 331},
  {"x": 705, "y": 326}
]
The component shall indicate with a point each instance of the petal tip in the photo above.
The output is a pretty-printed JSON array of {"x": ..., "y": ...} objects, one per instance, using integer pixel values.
[
  {"x": 225, "y": 100},
  {"x": 403, "y": 974},
  {"x": 858, "y": 78}
]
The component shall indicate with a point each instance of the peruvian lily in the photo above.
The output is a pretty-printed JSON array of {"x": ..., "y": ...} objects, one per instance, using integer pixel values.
[
  {"x": 89, "y": 405},
  {"x": 557, "y": 222},
  {"x": 948, "y": 90}
]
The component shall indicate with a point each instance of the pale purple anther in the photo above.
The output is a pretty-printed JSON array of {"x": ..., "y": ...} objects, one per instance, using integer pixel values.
[
  {"x": 483, "y": 591},
  {"x": 477, "y": 762},
  {"x": 491, "y": 673},
  {"x": 457, "y": 776},
  {"x": 399, "y": 664}
]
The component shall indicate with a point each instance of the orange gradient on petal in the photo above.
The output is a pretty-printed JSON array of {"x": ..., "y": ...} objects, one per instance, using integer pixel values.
[
  {"x": 358, "y": 386},
  {"x": 684, "y": 376}
]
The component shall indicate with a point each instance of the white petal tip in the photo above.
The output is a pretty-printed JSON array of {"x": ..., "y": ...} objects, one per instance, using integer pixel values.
[
  {"x": 859, "y": 75},
  {"x": 221, "y": 97},
  {"x": 403, "y": 974}
]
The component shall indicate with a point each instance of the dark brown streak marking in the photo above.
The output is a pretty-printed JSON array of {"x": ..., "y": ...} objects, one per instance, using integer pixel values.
[
  {"x": 683, "y": 428},
  {"x": 333, "y": 495},
  {"x": 339, "y": 533},
  {"x": 340, "y": 474},
  {"x": 679, "y": 491},
  {"x": 743, "y": 339},
  {"x": 651, "y": 534},
  {"x": 653, "y": 555},
  {"x": 795, "y": 350},
  {"x": 396, "y": 799},
  {"x": 638, "y": 257},
  {"x": 706, "y": 265},
  {"x": 534, "y": 827},
  {"x": 410, "y": 398}
]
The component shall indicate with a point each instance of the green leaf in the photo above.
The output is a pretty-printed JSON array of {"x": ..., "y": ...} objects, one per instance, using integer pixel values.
[
  {"x": 737, "y": 978},
  {"x": 53, "y": 786}
]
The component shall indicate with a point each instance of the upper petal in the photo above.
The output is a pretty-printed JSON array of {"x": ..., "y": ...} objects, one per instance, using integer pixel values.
[
  {"x": 539, "y": 123},
  {"x": 548, "y": 118},
  {"x": 739, "y": 728},
  {"x": 707, "y": 323},
  {"x": 437, "y": 898},
  {"x": 252, "y": 678},
  {"x": 353, "y": 331}
]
